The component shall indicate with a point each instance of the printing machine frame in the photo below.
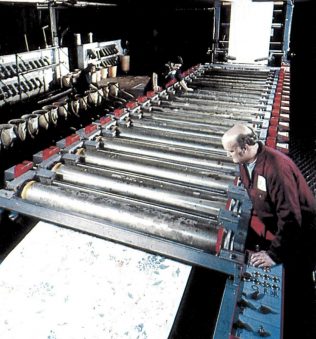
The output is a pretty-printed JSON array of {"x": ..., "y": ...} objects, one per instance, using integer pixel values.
[{"x": 230, "y": 262}]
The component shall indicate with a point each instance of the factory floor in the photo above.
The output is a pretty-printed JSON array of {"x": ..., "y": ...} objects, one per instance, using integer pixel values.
[
  {"x": 196, "y": 318},
  {"x": 133, "y": 84}
]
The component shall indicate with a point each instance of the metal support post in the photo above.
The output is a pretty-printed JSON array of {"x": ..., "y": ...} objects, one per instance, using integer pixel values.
[
  {"x": 216, "y": 27},
  {"x": 287, "y": 30}
]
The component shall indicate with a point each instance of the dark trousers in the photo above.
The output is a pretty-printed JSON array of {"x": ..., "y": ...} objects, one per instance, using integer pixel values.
[{"x": 299, "y": 303}]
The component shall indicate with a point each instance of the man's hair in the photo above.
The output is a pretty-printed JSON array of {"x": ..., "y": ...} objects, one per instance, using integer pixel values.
[
  {"x": 247, "y": 139},
  {"x": 175, "y": 60},
  {"x": 90, "y": 66},
  {"x": 179, "y": 60}
]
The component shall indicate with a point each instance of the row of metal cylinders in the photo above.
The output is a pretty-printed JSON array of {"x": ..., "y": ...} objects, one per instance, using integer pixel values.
[
  {"x": 28, "y": 125},
  {"x": 49, "y": 115},
  {"x": 24, "y": 86},
  {"x": 12, "y": 70},
  {"x": 106, "y": 51},
  {"x": 109, "y": 62}
]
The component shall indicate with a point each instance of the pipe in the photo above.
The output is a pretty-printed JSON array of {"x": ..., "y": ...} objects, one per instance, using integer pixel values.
[
  {"x": 139, "y": 188},
  {"x": 44, "y": 34},
  {"x": 26, "y": 43},
  {"x": 156, "y": 121},
  {"x": 215, "y": 109},
  {"x": 217, "y": 104},
  {"x": 231, "y": 81},
  {"x": 229, "y": 74},
  {"x": 216, "y": 118},
  {"x": 195, "y": 177},
  {"x": 169, "y": 138},
  {"x": 233, "y": 89},
  {"x": 54, "y": 97},
  {"x": 215, "y": 162},
  {"x": 174, "y": 226},
  {"x": 235, "y": 78},
  {"x": 207, "y": 113},
  {"x": 225, "y": 119},
  {"x": 63, "y": 33},
  {"x": 177, "y": 130},
  {"x": 221, "y": 97},
  {"x": 257, "y": 72},
  {"x": 90, "y": 37}
]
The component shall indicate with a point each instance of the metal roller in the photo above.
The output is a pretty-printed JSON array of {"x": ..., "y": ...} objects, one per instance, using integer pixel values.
[
  {"x": 221, "y": 98},
  {"x": 178, "y": 130},
  {"x": 218, "y": 97},
  {"x": 250, "y": 78},
  {"x": 236, "y": 80},
  {"x": 198, "y": 116},
  {"x": 174, "y": 124},
  {"x": 146, "y": 190},
  {"x": 175, "y": 134},
  {"x": 174, "y": 226},
  {"x": 236, "y": 84},
  {"x": 215, "y": 92},
  {"x": 214, "y": 108},
  {"x": 171, "y": 139},
  {"x": 217, "y": 162},
  {"x": 238, "y": 77},
  {"x": 228, "y": 69},
  {"x": 223, "y": 123},
  {"x": 217, "y": 103},
  {"x": 169, "y": 171},
  {"x": 231, "y": 80},
  {"x": 233, "y": 89},
  {"x": 217, "y": 154},
  {"x": 240, "y": 73},
  {"x": 200, "y": 192}
]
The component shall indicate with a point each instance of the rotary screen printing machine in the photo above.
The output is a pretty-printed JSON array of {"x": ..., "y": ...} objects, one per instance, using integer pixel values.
[{"x": 152, "y": 175}]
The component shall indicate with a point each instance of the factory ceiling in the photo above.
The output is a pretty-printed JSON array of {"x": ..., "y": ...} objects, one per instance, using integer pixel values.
[
  {"x": 181, "y": 4},
  {"x": 122, "y": 3}
]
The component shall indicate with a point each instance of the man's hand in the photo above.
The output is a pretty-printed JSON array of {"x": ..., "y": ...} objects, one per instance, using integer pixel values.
[{"x": 261, "y": 259}]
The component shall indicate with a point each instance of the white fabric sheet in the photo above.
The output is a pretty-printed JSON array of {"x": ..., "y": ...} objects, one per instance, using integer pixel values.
[
  {"x": 61, "y": 284},
  {"x": 250, "y": 30}
]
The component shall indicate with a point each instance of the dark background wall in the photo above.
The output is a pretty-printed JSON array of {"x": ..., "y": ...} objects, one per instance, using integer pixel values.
[
  {"x": 303, "y": 71},
  {"x": 154, "y": 30},
  {"x": 157, "y": 30}
]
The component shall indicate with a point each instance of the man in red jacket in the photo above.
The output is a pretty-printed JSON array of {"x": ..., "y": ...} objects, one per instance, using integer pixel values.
[{"x": 283, "y": 222}]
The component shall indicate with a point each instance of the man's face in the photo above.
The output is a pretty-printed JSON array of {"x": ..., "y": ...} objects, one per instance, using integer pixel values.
[{"x": 235, "y": 152}]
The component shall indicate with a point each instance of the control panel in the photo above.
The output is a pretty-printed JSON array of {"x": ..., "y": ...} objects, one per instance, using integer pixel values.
[{"x": 260, "y": 306}]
